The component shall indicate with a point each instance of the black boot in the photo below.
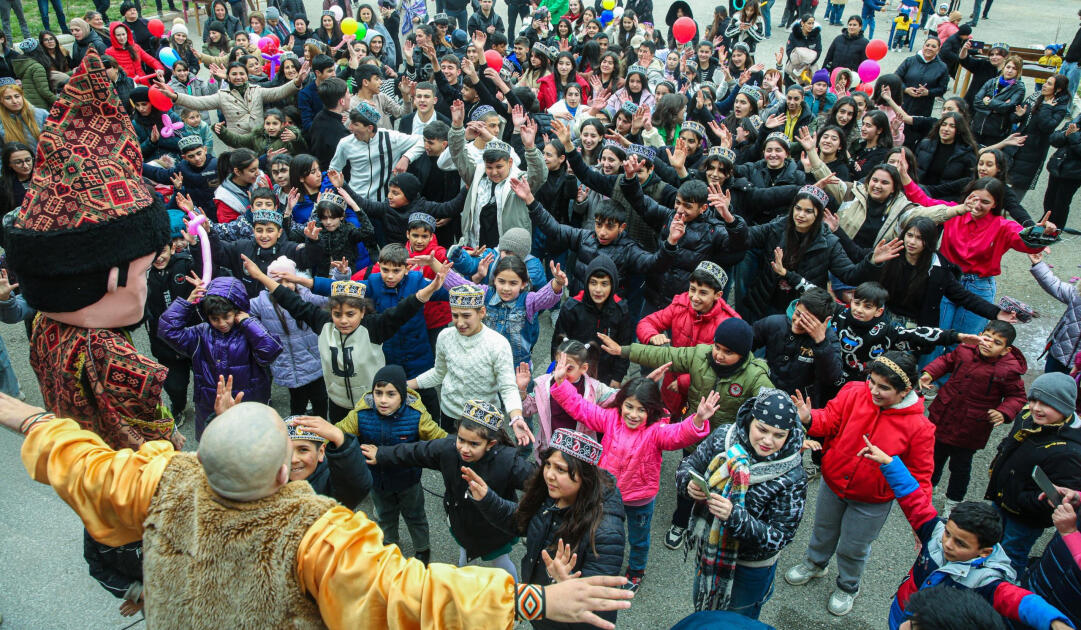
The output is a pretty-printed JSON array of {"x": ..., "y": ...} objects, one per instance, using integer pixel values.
[{"x": 423, "y": 556}]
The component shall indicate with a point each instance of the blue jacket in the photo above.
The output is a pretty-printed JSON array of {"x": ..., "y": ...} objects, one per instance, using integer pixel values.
[
  {"x": 510, "y": 320},
  {"x": 410, "y": 423},
  {"x": 409, "y": 346},
  {"x": 298, "y": 364},
  {"x": 199, "y": 183},
  {"x": 309, "y": 104}
]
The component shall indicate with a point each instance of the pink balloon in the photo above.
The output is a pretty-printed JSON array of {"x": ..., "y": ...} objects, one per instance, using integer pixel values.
[
  {"x": 869, "y": 70},
  {"x": 196, "y": 227}
]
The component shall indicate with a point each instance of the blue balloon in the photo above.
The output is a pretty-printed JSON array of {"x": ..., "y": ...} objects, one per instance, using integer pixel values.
[
  {"x": 168, "y": 56},
  {"x": 606, "y": 16}
]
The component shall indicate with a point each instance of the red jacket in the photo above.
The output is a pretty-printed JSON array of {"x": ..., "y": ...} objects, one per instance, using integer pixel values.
[
  {"x": 686, "y": 327},
  {"x": 548, "y": 95},
  {"x": 902, "y": 431},
  {"x": 976, "y": 385},
  {"x": 436, "y": 313},
  {"x": 132, "y": 67}
]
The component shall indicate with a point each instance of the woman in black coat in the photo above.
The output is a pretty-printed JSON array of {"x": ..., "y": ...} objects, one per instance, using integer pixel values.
[
  {"x": 996, "y": 103},
  {"x": 570, "y": 506},
  {"x": 1064, "y": 172},
  {"x": 948, "y": 152},
  {"x": 1037, "y": 119}
]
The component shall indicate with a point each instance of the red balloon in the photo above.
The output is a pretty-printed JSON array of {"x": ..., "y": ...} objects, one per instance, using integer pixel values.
[
  {"x": 493, "y": 59},
  {"x": 876, "y": 49},
  {"x": 277, "y": 41},
  {"x": 159, "y": 100},
  {"x": 684, "y": 29},
  {"x": 155, "y": 27},
  {"x": 866, "y": 88}
]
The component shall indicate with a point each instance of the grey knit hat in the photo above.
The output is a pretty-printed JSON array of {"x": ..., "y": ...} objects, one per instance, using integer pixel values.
[
  {"x": 1057, "y": 390},
  {"x": 516, "y": 241}
]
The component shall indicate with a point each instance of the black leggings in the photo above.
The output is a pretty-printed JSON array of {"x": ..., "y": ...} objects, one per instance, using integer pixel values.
[
  {"x": 315, "y": 393},
  {"x": 1060, "y": 192},
  {"x": 960, "y": 459}
]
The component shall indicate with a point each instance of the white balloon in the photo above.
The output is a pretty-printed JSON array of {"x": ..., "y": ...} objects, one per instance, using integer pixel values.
[
  {"x": 337, "y": 11},
  {"x": 617, "y": 13}
]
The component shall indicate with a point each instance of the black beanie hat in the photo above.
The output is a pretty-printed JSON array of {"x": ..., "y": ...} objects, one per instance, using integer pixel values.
[
  {"x": 736, "y": 335},
  {"x": 393, "y": 374},
  {"x": 140, "y": 94},
  {"x": 407, "y": 183},
  {"x": 87, "y": 209}
]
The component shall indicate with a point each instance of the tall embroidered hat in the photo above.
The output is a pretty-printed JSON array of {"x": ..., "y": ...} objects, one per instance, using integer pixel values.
[
  {"x": 333, "y": 199},
  {"x": 577, "y": 445},
  {"x": 348, "y": 288},
  {"x": 423, "y": 217},
  {"x": 87, "y": 209},
  {"x": 483, "y": 413},
  {"x": 816, "y": 192},
  {"x": 498, "y": 145},
  {"x": 297, "y": 433},
  {"x": 466, "y": 296},
  {"x": 370, "y": 114},
  {"x": 725, "y": 154},
  {"x": 266, "y": 216},
  {"x": 629, "y": 107},
  {"x": 643, "y": 152}
]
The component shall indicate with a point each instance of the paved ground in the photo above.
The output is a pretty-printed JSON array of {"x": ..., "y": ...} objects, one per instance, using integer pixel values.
[{"x": 47, "y": 585}]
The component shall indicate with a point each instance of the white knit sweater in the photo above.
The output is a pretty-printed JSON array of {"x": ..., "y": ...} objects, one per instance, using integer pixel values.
[{"x": 479, "y": 367}]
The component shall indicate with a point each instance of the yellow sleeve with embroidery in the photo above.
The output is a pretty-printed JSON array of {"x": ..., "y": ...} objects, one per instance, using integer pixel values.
[
  {"x": 361, "y": 583},
  {"x": 109, "y": 490}
]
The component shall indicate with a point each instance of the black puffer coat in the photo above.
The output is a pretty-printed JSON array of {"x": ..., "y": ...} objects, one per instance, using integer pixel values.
[
  {"x": 501, "y": 468},
  {"x": 1065, "y": 162},
  {"x": 1036, "y": 125},
  {"x": 960, "y": 165},
  {"x": 758, "y": 174},
  {"x": 603, "y": 557},
  {"x": 768, "y": 293},
  {"x": 707, "y": 238},
  {"x": 846, "y": 52},
  {"x": 581, "y": 319}
]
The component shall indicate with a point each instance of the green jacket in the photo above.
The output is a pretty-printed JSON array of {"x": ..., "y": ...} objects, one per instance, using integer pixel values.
[
  {"x": 35, "y": 79},
  {"x": 260, "y": 143},
  {"x": 694, "y": 360}
]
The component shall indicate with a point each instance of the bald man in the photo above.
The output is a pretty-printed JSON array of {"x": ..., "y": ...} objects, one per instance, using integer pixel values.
[{"x": 228, "y": 541}]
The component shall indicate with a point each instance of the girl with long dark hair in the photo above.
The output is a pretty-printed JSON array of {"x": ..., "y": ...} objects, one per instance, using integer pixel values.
[
  {"x": 875, "y": 140},
  {"x": 1037, "y": 118},
  {"x": 554, "y": 86},
  {"x": 16, "y": 171},
  {"x": 948, "y": 152},
  {"x": 239, "y": 174}
]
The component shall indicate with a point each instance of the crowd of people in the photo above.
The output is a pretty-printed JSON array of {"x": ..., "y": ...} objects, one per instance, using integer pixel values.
[{"x": 392, "y": 199}]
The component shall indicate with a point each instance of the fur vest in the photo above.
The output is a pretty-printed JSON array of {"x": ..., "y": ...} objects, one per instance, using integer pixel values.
[{"x": 199, "y": 548}]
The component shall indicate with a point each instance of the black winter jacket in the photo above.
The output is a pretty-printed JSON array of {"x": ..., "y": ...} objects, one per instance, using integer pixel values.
[
  {"x": 228, "y": 255},
  {"x": 961, "y": 163},
  {"x": 992, "y": 121},
  {"x": 162, "y": 287},
  {"x": 846, "y": 52},
  {"x": 581, "y": 319},
  {"x": 934, "y": 75},
  {"x": 1065, "y": 162},
  {"x": 1036, "y": 125},
  {"x": 80, "y": 46},
  {"x": 1056, "y": 449},
  {"x": 602, "y": 556},
  {"x": 608, "y": 185},
  {"x": 796, "y": 361},
  {"x": 798, "y": 39},
  {"x": 941, "y": 282},
  {"x": 707, "y": 238},
  {"x": 501, "y": 468},
  {"x": 759, "y": 175},
  {"x": 343, "y": 475},
  {"x": 981, "y": 70}
]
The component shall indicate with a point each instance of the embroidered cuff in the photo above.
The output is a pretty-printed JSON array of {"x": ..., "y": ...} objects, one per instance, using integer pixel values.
[{"x": 529, "y": 602}]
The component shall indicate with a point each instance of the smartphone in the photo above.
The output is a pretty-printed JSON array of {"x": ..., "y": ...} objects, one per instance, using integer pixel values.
[
  {"x": 700, "y": 480},
  {"x": 976, "y": 44},
  {"x": 1048, "y": 488}
]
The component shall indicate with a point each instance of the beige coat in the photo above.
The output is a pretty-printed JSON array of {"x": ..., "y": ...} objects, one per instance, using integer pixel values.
[{"x": 243, "y": 112}]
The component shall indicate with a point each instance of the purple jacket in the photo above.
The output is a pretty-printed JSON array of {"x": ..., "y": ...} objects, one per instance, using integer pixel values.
[
  {"x": 245, "y": 352},
  {"x": 299, "y": 363}
]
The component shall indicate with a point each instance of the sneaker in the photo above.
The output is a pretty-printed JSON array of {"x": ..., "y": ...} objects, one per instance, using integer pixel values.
[
  {"x": 841, "y": 602},
  {"x": 634, "y": 581},
  {"x": 947, "y": 508},
  {"x": 423, "y": 556},
  {"x": 674, "y": 538},
  {"x": 803, "y": 573}
]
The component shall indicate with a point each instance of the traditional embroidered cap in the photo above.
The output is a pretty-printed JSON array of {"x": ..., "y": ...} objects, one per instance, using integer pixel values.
[
  {"x": 741, "y": 46},
  {"x": 671, "y": 86},
  {"x": 714, "y": 271},
  {"x": 637, "y": 69},
  {"x": 369, "y": 113},
  {"x": 27, "y": 45},
  {"x": 996, "y": 46},
  {"x": 481, "y": 111},
  {"x": 726, "y": 155},
  {"x": 817, "y": 193},
  {"x": 8, "y": 81},
  {"x": 541, "y": 49},
  {"x": 484, "y": 413},
  {"x": 466, "y": 296},
  {"x": 423, "y": 217},
  {"x": 87, "y": 195},
  {"x": 297, "y": 433},
  {"x": 629, "y": 107},
  {"x": 330, "y": 13},
  {"x": 187, "y": 143},
  {"x": 695, "y": 127},
  {"x": 755, "y": 121},
  {"x": 775, "y": 408},
  {"x": 578, "y": 445},
  {"x": 612, "y": 144},
  {"x": 334, "y": 199},
  {"x": 541, "y": 14},
  {"x": 266, "y": 216},
  {"x": 348, "y": 288},
  {"x": 752, "y": 92},
  {"x": 642, "y": 151},
  {"x": 498, "y": 145},
  {"x": 779, "y": 137}
]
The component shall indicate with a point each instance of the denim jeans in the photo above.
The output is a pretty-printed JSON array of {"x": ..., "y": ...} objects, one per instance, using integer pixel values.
[
  {"x": 766, "y": 12},
  {"x": 638, "y": 519},
  {"x": 1073, "y": 73},
  {"x": 976, "y": 13},
  {"x": 461, "y": 17},
  {"x": 751, "y": 589},
  {"x": 9, "y": 383},
  {"x": 409, "y": 503},
  {"x": 964, "y": 321},
  {"x": 6, "y": 7},
  {"x": 868, "y": 16},
  {"x": 43, "y": 8},
  {"x": 1017, "y": 541}
]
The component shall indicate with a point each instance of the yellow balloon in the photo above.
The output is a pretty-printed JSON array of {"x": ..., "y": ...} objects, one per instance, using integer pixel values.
[
  {"x": 349, "y": 26},
  {"x": 609, "y": 4}
]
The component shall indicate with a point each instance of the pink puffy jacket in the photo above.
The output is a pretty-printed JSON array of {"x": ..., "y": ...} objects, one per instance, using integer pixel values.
[{"x": 632, "y": 455}]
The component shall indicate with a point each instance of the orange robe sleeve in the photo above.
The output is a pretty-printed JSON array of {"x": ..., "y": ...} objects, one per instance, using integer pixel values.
[
  {"x": 109, "y": 490},
  {"x": 361, "y": 583}
]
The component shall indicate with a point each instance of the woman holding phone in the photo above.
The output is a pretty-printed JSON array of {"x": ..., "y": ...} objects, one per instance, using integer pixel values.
[{"x": 750, "y": 489}]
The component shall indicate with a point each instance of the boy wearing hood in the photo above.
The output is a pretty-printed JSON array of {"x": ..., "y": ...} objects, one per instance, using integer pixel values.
[
  {"x": 393, "y": 414},
  {"x": 961, "y": 551},
  {"x": 229, "y": 344}
]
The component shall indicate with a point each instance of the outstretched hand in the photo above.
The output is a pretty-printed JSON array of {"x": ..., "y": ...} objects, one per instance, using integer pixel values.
[
  {"x": 560, "y": 566},
  {"x": 803, "y": 406},
  {"x": 610, "y": 345},
  {"x": 224, "y": 399},
  {"x": 521, "y": 188},
  {"x": 578, "y": 600},
  {"x": 874, "y": 453},
  {"x": 707, "y": 406},
  {"x": 478, "y": 489}
]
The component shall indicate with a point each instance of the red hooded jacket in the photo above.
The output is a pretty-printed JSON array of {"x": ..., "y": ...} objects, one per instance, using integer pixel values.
[{"x": 133, "y": 67}]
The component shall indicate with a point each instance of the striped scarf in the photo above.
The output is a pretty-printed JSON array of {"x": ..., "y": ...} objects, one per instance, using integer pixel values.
[{"x": 717, "y": 549}]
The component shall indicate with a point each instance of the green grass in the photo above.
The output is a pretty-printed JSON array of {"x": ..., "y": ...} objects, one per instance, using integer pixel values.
[{"x": 72, "y": 9}]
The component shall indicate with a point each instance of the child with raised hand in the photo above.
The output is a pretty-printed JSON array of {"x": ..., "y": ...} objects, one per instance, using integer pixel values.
[
  {"x": 984, "y": 390},
  {"x": 328, "y": 459},
  {"x": 337, "y": 237},
  {"x": 229, "y": 342},
  {"x": 350, "y": 334},
  {"x": 420, "y": 240},
  {"x": 961, "y": 551},
  {"x": 481, "y": 444},
  {"x": 634, "y": 443},
  {"x": 388, "y": 415}
]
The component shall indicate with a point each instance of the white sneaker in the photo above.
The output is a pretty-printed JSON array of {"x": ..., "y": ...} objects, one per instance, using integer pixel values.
[
  {"x": 947, "y": 508},
  {"x": 841, "y": 602},
  {"x": 803, "y": 573}
]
